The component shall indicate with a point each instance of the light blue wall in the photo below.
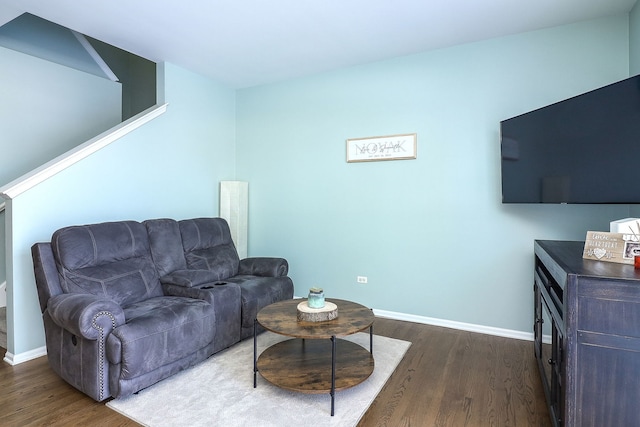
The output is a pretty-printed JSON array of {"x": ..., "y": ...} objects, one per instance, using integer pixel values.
[
  {"x": 431, "y": 234},
  {"x": 171, "y": 167},
  {"x": 45, "y": 110}
]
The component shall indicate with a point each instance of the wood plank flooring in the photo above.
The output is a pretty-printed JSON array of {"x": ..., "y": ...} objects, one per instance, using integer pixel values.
[
  {"x": 456, "y": 378},
  {"x": 447, "y": 378}
]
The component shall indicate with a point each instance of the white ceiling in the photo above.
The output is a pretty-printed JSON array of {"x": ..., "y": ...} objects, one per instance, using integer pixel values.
[{"x": 244, "y": 43}]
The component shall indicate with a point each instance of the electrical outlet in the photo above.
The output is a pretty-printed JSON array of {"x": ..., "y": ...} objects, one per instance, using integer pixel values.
[{"x": 361, "y": 279}]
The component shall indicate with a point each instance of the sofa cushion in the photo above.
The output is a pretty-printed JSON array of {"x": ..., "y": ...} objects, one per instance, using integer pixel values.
[
  {"x": 111, "y": 259},
  {"x": 159, "y": 331},
  {"x": 208, "y": 246}
]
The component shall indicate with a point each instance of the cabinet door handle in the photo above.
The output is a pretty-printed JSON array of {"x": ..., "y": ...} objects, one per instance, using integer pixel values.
[
  {"x": 536, "y": 323},
  {"x": 551, "y": 362}
]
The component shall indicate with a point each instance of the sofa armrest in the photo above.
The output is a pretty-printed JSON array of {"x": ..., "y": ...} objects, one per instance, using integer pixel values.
[
  {"x": 263, "y": 266},
  {"x": 85, "y": 315},
  {"x": 46, "y": 273},
  {"x": 189, "y": 278}
]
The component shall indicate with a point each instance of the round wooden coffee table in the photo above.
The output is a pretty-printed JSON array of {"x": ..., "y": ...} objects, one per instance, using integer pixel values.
[{"x": 315, "y": 360}]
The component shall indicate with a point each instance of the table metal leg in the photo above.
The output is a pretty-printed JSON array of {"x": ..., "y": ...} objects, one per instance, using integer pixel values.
[
  {"x": 333, "y": 373},
  {"x": 255, "y": 352},
  {"x": 371, "y": 339}
]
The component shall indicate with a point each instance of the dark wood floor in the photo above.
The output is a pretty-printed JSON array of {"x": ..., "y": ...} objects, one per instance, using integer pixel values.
[
  {"x": 447, "y": 378},
  {"x": 456, "y": 378}
]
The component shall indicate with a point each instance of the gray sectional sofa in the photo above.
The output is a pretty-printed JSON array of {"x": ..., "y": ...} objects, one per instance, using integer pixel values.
[{"x": 126, "y": 304}]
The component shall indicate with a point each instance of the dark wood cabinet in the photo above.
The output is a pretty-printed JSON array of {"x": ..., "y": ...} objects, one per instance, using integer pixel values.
[{"x": 587, "y": 336}]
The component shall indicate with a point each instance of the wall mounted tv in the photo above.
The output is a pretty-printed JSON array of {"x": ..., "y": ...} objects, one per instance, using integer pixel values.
[{"x": 585, "y": 149}]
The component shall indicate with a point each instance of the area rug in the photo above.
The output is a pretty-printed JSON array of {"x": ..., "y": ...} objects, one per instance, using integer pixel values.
[{"x": 219, "y": 392}]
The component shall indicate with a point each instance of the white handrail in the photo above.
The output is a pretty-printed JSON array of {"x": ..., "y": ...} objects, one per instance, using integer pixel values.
[{"x": 51, "y": 168}]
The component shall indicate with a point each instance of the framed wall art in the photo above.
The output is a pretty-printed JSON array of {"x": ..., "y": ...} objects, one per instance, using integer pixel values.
[{"x": 376, "y": 148}]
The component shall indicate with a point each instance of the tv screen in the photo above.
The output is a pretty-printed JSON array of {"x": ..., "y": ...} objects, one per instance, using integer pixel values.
[{"x": 585, "y": 149}]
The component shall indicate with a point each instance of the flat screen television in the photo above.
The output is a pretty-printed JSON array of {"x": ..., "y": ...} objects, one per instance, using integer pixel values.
[{"x": 585, "y": 149}]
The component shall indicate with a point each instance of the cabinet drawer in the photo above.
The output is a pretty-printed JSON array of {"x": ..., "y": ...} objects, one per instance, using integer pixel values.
[
  {"x": 611, "y": 308},
  {"x": 609, "y": 316},
  {"x": 611, "y": 290}
]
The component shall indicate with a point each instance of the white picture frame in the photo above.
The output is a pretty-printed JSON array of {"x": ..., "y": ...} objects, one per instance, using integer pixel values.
[{"x": 377, "y": 148}]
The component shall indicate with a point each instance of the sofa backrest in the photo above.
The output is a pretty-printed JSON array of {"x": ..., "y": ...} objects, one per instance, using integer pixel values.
[
  {"x": 208, "y": 245},
  {"x": 110, "y": 259},
  {"x": 166, "y": 245}
]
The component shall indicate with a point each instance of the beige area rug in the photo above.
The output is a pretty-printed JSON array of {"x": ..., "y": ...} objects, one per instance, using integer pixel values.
[{"x": 219, "y": 392}]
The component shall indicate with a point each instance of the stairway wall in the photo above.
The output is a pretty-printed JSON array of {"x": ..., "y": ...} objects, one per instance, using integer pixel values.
[{"x": 47, "y": 109}]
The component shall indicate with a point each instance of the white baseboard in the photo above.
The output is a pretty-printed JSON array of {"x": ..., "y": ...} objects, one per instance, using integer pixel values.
[
  {"x": 14, "y": 359},
  {"x": 488, "y": 330},
  {"x": 481, "y": 329}
]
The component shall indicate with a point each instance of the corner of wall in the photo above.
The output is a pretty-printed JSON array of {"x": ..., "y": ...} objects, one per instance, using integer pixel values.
[
  {"x": 160, "y": 96},
  {"x": 634, "y": 40}
]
